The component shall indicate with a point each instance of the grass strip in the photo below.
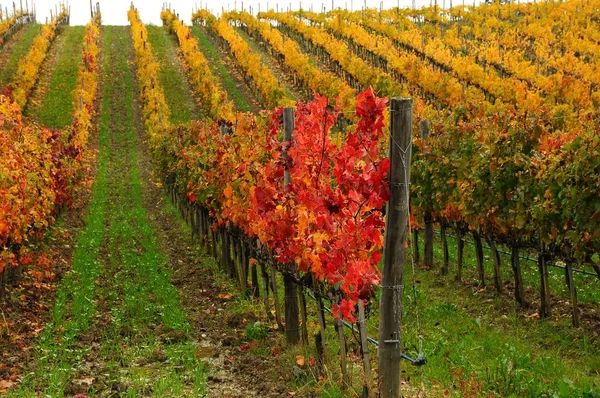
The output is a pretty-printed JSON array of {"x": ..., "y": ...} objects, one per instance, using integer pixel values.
[
  {"x": 57, "y": 105},
  {"x": 172, "y": 80},
  {"x": 214, "y": 61}
]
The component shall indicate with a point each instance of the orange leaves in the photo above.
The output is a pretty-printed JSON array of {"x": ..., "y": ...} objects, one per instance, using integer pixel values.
[{"x": 39, "y": 168}]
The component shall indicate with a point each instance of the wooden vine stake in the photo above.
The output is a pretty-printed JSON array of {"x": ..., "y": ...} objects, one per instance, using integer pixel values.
[
  {"x": 292, "y": 322},
  {"x": 497, "y": 264},
  {"x": 339, "y": 327},
  {"x": 479, "y": 257},
  {"x": 394, "y": 254},
  {"x": 320, "y": 336},
  {"x": 445, "y": 264},
  {"x": 544, "y": 284},
  {"x": 573, "y": 293},
  {"x": 276, "y": 299},
  {"x": 460, "y": 249},
  {"x": 516, "y": 267},
  {"x": 303, "y": 319},
  {"x": 415, "y": 245},
  {"x": 364, "y": 350},
  {"x": 424, "y": 127}
]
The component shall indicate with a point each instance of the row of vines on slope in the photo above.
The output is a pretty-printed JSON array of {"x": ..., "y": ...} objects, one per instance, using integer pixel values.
[
  {"x": 538, "y": 162},
  {"x": 525, "y": 156},
  {"x": 270, "y": 90},
  {"x": 156, "y": 110},
  {"x": 327, "y": 221},
  {"x": 27, "y": 72},
  {"x": 41, "y": 168},
  {"x": 213, "y": 99},
  {"x": 8, "y": 24},
  {"x": 290, "y": 56}
]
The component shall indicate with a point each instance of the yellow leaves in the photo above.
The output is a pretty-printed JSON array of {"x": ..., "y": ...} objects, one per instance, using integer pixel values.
[
  {"x": 26, "y": 75},
  {"x": 212, "y": 97},
  {"x": 156, "y": 110},
  {"x": 324, "y": 83}
]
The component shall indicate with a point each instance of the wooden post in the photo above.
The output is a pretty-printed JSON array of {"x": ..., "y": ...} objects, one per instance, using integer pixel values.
[
  {"x": 444, "y": 247},
  {"x": 364, "y": 349},
  {"x": 497, "y": 263},
  {"x": 254, "y": 273},
  {"x": 91, "y": 9},
  {"x": 265, "y": 278},
  {"x": 231, "y": 264},
  {"x": 460, "y": 249},
  {"x": 303, "y": 317},
  {"x": 544, "y": 284},
  {"x": 276, "y": 299},
  {"x": 424, "y": 127},
  {"x": 516, "y": 266},
  {"x": 415, "y": 243},
  {"x": 479, "y": 257},
  {"x": 394, "y": 248},
  {"x": 573, "y": 293},
  {"x": 292, "y": 322},
  {"x": 243, "y": 266},
  {"x": 320, "y": 338},
  {"x": 224, "y": 243},
  {"x": 339, "y": 327}
]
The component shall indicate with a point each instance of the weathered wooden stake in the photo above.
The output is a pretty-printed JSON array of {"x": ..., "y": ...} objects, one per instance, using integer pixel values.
[
  {"x": 479, "y": 257},
  {"x": 276, "y": 299},
  {"x": 444, "y": 248},
  {"x": 497, "y": 263},
  {"x": 364, "y": 349},
  {"x": 265, "y": 278},
  {"x": 515, "y": 263},
  {"x": 573, "y": 293},
  {"x": 339, "y": 327},
  {"x": 243, "y": 266},
  {"x": 292, "y": 322},
  {"x": 415, "y": 244},
  {"x": 544, "y": 284},
  {"x": 460, "y": 249},
  {"x": 304, "y": 326},
  {"x": 254, "y": 273},
  {"x": 394, "y": 248},
  {"x": 424, "y": 127}
]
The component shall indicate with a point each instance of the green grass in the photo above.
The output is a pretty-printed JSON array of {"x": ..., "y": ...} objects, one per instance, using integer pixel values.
[
  {"x": 19, "y": 51},
  {"x": 218, "y": 69},
  {"x": 171, "y": 78},
  {"x": 119, "y": 294},
  {"x": 56, "y": 108},
  {"x": 475, "y": 345},
  {"x": 466, "y": 336}
]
